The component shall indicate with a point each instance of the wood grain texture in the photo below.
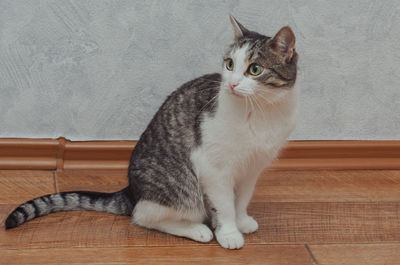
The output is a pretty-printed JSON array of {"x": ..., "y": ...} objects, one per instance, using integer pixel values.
[
  {"x": 18, "y": 186},
  {"x": 326, "y": 222},
  {"x": 265, "y": 255},
  {"x": 346, "y": 217},
  {"x": 108, "y": 181},
  {"x": 357, "y": 254},
  {"x": 284, "y": 223},
  {"x": 328, "y": 186}
]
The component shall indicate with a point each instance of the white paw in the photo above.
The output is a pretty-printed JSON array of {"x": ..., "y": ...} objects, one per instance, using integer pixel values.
[
  {"x": 247, "y": 224},
  {"x": 201, "y": 233},
  {"x": 231, "y": 240}
]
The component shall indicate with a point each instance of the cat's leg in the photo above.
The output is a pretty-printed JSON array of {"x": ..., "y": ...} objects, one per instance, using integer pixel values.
[
  {"x": 244, "y": 188},
  {"x": 243, "y": 193},
  {"x": 168, "y": 220},
  {"x": 220, "y": 193}
]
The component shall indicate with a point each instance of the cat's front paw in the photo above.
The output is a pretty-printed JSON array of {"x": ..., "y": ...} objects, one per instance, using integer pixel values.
[
  {"x": 230, "y": 240},
  {"x": 247, "y": 224}
]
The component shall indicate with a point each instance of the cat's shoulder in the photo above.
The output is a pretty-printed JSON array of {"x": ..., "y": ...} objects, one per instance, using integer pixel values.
[
  {"x": 198, "y": 89},
  {"x": 208, "y": 80}
]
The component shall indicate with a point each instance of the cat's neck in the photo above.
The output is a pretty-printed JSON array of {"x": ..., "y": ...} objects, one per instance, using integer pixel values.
[{"x": 257, "y": 112}]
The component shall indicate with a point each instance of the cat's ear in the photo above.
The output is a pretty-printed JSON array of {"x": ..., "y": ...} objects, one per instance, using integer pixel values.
[
  {"x": 283, "y": 43},
  {"x": 238, "y": 28}
]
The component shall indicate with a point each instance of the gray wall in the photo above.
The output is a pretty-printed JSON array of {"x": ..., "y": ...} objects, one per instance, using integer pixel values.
[{"x": 100, "y": 69}]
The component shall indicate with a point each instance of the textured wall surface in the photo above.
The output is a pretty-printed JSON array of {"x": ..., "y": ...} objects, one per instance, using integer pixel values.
[{"x": 100, "y": 69}]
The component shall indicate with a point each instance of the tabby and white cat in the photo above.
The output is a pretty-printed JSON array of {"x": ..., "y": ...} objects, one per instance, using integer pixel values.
[{"x": 198, "y": 160}]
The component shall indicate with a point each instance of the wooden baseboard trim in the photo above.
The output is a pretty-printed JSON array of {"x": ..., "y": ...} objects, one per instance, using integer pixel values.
[
  {"x": 64, "y": 155},
  {"x": 339, "y": 155},
  {"x": 28, "y": 153}
]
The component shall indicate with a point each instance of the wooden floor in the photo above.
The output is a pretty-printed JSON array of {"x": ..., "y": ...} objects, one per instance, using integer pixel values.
[{"x": 305, "y": 217}]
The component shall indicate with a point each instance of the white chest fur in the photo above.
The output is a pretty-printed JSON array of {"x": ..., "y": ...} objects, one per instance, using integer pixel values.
[{"x": 237, "y": 139}]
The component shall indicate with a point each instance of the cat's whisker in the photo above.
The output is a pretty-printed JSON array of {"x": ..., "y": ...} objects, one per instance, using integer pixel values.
[
  {"x": 271, "y": 103},
  {"x": 246, "y": 112},
  {"x": 263, "y": 117},
  {"x": 214, "y": 103},
  {"x": 252, "y": 104},
  {"x": 205, "y": 105},
  {"x": 264, "y": 98},
  {"x": 206, "y": 88},
  {"x": 267, "y": 91},
  {"x": 259, "y": 109}
]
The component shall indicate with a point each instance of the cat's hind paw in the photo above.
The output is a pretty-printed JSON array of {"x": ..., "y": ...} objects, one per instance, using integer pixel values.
[{"x": 200, "y": 233}]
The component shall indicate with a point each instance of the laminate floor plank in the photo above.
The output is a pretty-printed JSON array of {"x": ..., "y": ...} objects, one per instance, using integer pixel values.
[
  {"x": 94, "y": 181},
  {"x": 346, "y": 217},
  {"x": 357, "y": 254},
  {"x": 255, "y": 254},
  {"x": 18, "y": 186},
  {"x": 328, "y": 186},
  {"x": 284, "y": 223}
]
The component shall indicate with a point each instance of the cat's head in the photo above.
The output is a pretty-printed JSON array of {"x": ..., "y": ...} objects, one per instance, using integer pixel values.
[{"x": 259, "y": 66}]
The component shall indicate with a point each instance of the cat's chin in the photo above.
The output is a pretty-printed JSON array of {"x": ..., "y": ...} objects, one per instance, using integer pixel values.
[{"x": 235, "y": 93}]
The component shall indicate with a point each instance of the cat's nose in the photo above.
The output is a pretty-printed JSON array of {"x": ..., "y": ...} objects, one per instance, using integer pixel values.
[{"x": 233, "y": 85}]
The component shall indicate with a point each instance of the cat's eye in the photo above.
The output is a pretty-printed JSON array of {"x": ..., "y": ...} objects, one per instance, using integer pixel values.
[
  {"x": 229, "y": 64},
  {"x": 255, "y": 69}
]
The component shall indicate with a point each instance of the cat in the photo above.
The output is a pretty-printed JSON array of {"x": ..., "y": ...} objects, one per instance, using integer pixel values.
[{"x": 195, "y": 166}]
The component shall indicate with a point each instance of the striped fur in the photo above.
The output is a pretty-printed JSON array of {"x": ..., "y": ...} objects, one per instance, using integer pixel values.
[{"x": 117, "y": 203}]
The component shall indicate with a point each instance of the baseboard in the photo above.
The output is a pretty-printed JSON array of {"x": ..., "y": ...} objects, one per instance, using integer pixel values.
[
  {"x": 64, "y": 155},
  {"x": 339, "y": 155}
]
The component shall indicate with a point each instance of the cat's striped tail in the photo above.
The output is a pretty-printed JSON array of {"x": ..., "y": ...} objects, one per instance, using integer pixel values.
[{"x": 120, "y": 203}]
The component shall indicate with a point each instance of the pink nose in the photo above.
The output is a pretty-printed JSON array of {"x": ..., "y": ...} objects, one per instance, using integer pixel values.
[{"x": 233, "y": 85}]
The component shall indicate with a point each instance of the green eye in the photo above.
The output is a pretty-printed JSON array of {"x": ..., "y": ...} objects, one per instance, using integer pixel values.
[
  {"x": 229, "y": 64},
  {"x": 255, "y": 69}
]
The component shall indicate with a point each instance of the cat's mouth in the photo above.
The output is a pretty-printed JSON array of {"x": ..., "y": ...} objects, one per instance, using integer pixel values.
[{"x": 235, "y": 93}]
